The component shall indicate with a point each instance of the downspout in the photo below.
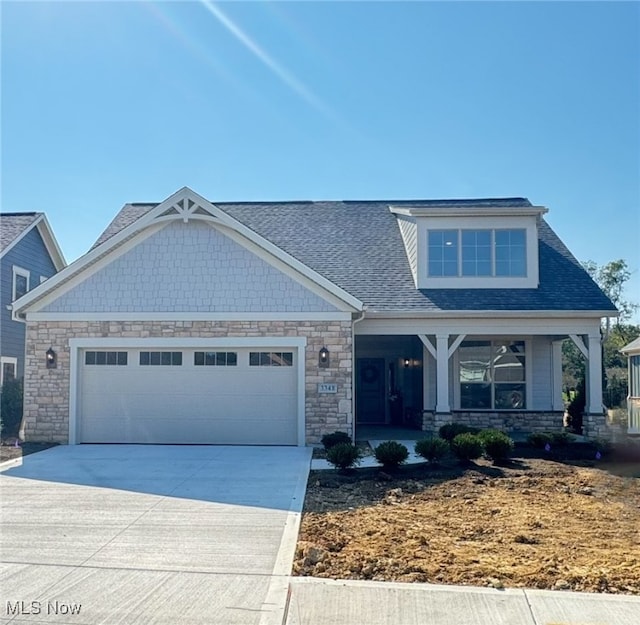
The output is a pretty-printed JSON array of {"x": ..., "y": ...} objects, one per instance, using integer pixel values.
[{"x": 353, "y": 370}]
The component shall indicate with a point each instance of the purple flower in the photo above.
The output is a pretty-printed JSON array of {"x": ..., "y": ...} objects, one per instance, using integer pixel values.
[
  {"x": 547, "y": 447},
  {"x": 598, "y": 455}
]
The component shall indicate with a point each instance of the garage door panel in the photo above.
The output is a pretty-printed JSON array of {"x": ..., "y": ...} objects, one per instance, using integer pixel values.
[
  {"x": 188, "y": 404},
  {"x": 224, "y": 431}
]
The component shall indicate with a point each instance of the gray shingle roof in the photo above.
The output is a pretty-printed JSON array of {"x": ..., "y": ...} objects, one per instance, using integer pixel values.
[
  {"x": 358, "y": 246},
  {"x": 12, "y": 225}
]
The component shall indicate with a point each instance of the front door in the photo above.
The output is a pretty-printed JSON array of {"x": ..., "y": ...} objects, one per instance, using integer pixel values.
[{"x": 370, "y": 390}]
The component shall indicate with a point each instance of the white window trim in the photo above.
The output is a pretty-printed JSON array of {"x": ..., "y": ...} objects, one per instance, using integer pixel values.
[
  {"x": 19, "y": 271},
  {"x": 8, "y": 360},
  {"x": 528, "y": 375},
  {"x": 526, "y": 223}
]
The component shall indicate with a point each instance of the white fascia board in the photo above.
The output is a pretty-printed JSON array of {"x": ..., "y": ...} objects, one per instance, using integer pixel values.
[
  {"x": 189, "y": 316},
  {"x": 561, "y": 326},
  {"x": 51, "y": 243},
  {"x": 187, "y": 343},
  {"x": 494, "y": 314},
  {"x": 467, "y": 211}
]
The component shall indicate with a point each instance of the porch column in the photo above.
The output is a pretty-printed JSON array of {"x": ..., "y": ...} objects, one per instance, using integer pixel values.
[
  {"x": 442, "y": 373},
  {"x": 594, "y": 375},
  {"x": 557, "y": 402}
]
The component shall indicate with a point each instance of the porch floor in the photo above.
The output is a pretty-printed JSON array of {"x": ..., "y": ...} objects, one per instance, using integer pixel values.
[{"x": 388, "y": 433}]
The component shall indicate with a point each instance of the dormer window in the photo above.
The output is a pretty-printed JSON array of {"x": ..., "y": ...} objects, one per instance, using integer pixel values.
[
  {"x": 471, "y": 244},
  {"x": 477, "y": 253}
]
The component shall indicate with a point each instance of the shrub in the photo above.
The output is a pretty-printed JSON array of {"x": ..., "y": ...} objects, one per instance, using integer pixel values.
[
  {"x": 497, "y": 445},
  {"x": 539, "y": 439},
  {"x": 390, "y": 454},
  {"x": 467, "y": 446},
  {"x": 335, "y": 438},
  {"x": 450, "y": 430},
  {"x": 343, "y": 455},
  {"x": 560, "y": 439},
  {"x": 432, "y": 449},
  {"x": 11, "y": 407}
]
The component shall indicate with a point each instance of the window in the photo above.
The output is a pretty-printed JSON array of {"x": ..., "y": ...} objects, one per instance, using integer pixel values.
[
  {"x": 215, "y": 359},
  {"x": 486, "y": 252},
  {"x": 7, "y": 369},
  {"x": 20, "y": 282},
  {"x": 492, "y": 375},
  {"x": 443, "y": 252},
  {"x": 161, "y": 359},
  {"x": 106, "y": 358},
  {"x": 270, "y": 359}
]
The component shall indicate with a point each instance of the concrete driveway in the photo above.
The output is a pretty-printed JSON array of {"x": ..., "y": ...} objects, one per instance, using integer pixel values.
[{"x": 133, "y": 534}]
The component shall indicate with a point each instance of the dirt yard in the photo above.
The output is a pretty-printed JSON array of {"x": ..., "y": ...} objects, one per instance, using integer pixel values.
[{"x": 536, "y": 523}]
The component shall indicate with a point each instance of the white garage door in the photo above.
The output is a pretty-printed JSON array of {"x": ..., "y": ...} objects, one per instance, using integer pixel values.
[{"x": 226, "y": 396}]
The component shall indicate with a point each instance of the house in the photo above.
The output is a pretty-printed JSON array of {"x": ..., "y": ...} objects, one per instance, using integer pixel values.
[
  {"x": 633, "y": 400},
  {"x": 29, "y": 254},
  {"x": 276, "y": 322}
]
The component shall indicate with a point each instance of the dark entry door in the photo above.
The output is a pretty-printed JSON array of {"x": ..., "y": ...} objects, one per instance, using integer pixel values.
[{"x": 370, "y": 396}]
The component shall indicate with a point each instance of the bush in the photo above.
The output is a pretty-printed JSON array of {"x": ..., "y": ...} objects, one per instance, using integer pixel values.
[
  {"x": 335, "y": 438},
  {"x": 560, "y": 439},
  {"x": 11, "y": 407},
  {"x": 432, "y": 449},
  {"x": 391, "y": 454},
  {"x": 450, "y": 430},
  {"x": 497, "y": 445},
  {"x": 343, "y": 455},
  {"x": 467, "y": 446},
  {"x": 539, "y": 439}
]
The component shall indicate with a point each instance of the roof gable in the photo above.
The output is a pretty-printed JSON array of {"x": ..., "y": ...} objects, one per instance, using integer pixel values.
[
  {"x": 184, "y": 206},
  {"x": 15, "y": 226}
]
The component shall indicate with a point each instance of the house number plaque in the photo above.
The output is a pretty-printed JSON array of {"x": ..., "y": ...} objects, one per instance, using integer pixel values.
[{"x": 327, "y": 388}]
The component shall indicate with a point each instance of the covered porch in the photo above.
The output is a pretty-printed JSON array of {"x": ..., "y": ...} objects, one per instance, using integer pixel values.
[{"x": 502, "y": 372}]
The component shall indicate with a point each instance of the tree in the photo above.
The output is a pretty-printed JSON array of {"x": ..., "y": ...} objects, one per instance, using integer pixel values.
[{"x": 611, "y": 278}]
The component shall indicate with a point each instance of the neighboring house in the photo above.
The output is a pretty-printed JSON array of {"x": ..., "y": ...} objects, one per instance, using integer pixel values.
[
  {"x": 277, "y": 322},
  {"x": 29, "y": 254},
  {"x": 633, "y": 400}
]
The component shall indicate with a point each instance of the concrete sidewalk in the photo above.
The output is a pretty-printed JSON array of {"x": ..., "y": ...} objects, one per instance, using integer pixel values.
[{"x": 316, "y": 601}]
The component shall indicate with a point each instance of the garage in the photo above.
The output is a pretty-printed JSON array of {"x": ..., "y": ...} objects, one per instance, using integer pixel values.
[{"x": 207, "y": 394}]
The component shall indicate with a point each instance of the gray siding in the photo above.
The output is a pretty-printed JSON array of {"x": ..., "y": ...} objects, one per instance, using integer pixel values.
[
  {"x": 541, "y": 359},
  {"x": 409, "y": 231},
  {"x": 31, "y": 254},
  {"x": 189, "y": 268}
]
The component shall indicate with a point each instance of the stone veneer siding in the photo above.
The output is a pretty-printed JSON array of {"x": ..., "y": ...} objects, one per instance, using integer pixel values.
[
  {"x": 46, "y": 391},
  {"x": 594, "y": 426},
  {"x": 530, "y": 421}
]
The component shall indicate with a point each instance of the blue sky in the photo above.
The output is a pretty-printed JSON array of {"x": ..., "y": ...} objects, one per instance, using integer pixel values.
[{"x": 105, "y": 103}]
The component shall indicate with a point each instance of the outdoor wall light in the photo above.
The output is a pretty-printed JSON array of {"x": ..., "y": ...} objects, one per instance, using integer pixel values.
[
  {"x": 323, "y": 357},
  {"x": 51, "y": 359},
  {"x": 407, "y": 362}
]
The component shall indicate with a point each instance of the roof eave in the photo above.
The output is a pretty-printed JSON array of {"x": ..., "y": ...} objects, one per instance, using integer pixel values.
[
  {"x": 495, "y": 314},
  {"x": 467, "y": 211}
]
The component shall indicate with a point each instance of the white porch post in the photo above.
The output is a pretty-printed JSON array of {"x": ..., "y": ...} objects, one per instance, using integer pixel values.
[
  {"x": 557, "y": 403},
  {"x": 594, "y": 375},
  {"x": 442, "y": 373}
]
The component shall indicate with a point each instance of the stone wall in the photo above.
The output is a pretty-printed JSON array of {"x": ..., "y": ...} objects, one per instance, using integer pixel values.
[
  {"x": 509, "y": 422},
  {"x": 46, "y": 395}
]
